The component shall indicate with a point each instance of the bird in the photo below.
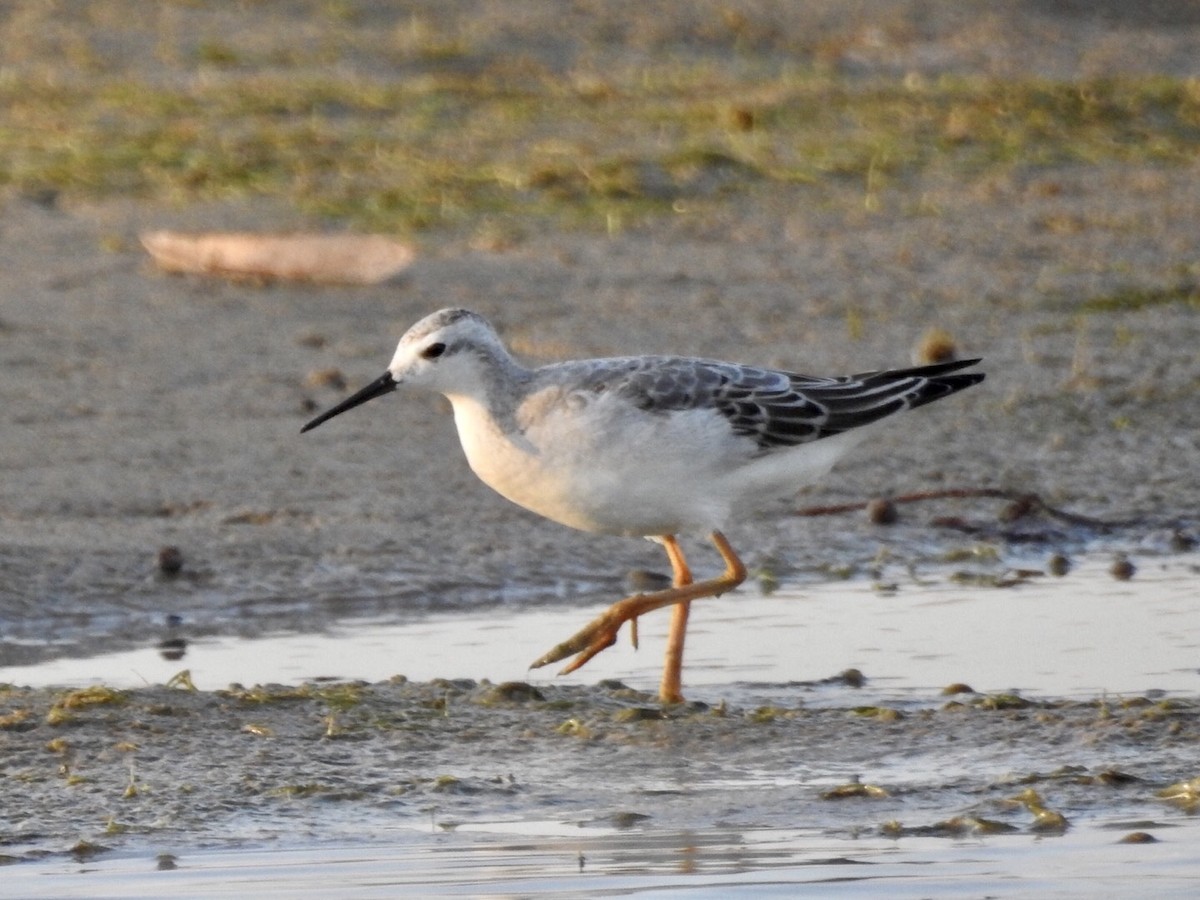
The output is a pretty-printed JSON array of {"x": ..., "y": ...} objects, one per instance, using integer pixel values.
[{"x": 645, "y": 446}]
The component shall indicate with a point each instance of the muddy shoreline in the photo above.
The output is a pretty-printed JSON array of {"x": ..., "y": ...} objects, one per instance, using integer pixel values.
[{"x": 169, "y": 768}]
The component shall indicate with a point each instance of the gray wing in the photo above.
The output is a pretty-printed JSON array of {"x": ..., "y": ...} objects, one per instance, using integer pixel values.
[{"x": 773, "y": 408}]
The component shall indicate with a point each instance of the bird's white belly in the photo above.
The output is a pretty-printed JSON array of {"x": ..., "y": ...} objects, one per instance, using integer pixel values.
[
  {"x": 575, "y": 470},
  {"x": 606, "y": 467}
]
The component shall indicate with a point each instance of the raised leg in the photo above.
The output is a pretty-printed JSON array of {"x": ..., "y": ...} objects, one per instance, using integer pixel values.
[
  {"x": 601, "y": 632},
  {"x": 670, "y": 690},
  {"x": 680, "y": 575}
]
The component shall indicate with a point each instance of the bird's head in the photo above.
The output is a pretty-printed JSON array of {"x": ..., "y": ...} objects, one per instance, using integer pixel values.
[{"x": 448, "y": 352}]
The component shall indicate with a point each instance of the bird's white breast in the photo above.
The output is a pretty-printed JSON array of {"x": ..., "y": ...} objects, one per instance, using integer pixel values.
[{"x": 598, "y": 464}]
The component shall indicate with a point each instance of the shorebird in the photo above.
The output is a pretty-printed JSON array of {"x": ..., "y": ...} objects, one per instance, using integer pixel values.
[{"x": 648, "y": 446}]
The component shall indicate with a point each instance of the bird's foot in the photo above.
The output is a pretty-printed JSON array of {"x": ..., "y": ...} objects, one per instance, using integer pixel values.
[
  {"x": 597, "y": 635},
  {"x": 601, "y": 632}
]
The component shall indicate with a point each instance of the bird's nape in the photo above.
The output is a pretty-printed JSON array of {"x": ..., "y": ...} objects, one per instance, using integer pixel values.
[{"x": 384, "y": 384}]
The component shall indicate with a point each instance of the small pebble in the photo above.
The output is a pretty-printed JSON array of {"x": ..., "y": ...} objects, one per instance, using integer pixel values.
[
  {"x": 172, "y": 649},
  {"x": 1181, "y": 542},
  {"x": 628, "y": 819},
  {"x": 1019, "y": 508},
  {"x": 1122, "y": 569},
  {"x": 1058, "y": 565},
  {"x": 1138, "y": 837},
  {"x": 882, "y": 511},
  {"x": 853, "y": 678},
  {"x": 935, "y": 346},
  {"x": 513, "y": 692},
  {"x": 957, "y": 688},
  {"x": 170, "y": 560}
]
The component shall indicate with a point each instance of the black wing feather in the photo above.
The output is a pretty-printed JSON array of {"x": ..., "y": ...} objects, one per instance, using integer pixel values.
[{"x": 774, "y": 408}]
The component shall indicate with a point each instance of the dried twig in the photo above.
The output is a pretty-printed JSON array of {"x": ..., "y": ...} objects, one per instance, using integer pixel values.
[{"x": 1022, "y": 503}]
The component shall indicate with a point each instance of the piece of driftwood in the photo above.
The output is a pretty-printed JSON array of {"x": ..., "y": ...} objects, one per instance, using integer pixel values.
[{"x": 317, "y": 258}]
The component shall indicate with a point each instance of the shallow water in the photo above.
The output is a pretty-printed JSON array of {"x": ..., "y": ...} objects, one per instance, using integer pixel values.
[
  {"x": 405, "y": 797},
  {"x": 500, "y": 862},
  {"x": 1079, "y": 636}
]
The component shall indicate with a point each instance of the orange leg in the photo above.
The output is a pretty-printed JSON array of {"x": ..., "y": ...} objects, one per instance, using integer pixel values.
[
  {"x": 601, "y": 632},
  {"x": 670, "y": 690}
]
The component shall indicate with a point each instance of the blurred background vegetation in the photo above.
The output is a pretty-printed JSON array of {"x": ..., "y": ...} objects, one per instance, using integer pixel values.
[{"x": 411, "y": 117}]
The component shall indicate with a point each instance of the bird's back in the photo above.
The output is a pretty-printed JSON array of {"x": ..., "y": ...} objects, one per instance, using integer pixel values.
[
  {"x": 773, "y": 408},
  {"x": 656, "y": 445}
]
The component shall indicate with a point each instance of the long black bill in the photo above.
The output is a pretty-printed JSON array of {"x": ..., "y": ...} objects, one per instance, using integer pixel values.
[{"x": 384, "y": 384}]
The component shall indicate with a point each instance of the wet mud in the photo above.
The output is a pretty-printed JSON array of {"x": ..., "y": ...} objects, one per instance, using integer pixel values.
[{"x": 93, "y": 769}]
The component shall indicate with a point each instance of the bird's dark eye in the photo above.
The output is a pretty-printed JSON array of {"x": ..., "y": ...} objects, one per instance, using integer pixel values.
[{"x": 433, "y": 351}]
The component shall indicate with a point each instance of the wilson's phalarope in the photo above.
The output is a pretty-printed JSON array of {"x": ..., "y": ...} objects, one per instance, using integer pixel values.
[{"x": 649, "y": 446}]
